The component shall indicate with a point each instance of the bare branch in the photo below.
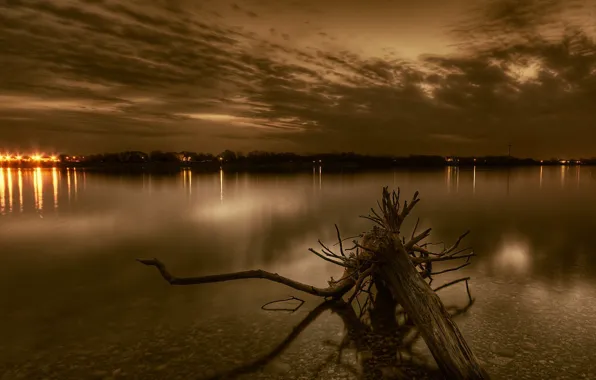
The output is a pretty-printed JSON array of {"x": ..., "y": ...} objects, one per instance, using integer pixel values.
[
  {"x": 333, "y": 291},
  {"x": 348, "y": 238},
  {"x": 420, "y": 260},
  {"x": 424, "y": 251},
  {"x": 329, "y": 259},
  {"x": 361, "y": 278},
  {"x": 451, "y": 283},
  {"x": 450, "y": 270},
  {"x": 341, "y": 246},
  {"x": 417, "y": 239},
  {"x": 376, "y": 220},
  {"x": 415, "y": 228},
  {"x": 454, "y": 246}
]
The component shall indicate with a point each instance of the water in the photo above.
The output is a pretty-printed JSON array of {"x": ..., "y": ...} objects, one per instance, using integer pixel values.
[{"x": 75, "y": 304}]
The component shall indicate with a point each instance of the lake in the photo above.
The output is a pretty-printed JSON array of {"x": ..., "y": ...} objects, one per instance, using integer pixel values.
[{"x": 75, "y": 304}]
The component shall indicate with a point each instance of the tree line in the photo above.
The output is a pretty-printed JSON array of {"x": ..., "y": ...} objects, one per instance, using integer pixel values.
[{"x": 257, "y": 158}]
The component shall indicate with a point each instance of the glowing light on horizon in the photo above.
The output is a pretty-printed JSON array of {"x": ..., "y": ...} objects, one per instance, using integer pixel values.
[{"x": 35, "y": 157}]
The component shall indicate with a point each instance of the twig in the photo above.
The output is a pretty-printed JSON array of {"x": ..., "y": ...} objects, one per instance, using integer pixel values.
[
  {"x": 420, "y": 260},
  {"x": 450, "y": 270},
  {"x": 329, "y": 259},
  {"x": 329, "y": 252},
  {"x": 452, "y": 283},
  {"x": 339, "y": 240},
  {"x": 417, "y": 239},
  {"x": 348, "y": 238},
  {"x": 415, "y": 228},
  {"x": 361, "y": 278}
]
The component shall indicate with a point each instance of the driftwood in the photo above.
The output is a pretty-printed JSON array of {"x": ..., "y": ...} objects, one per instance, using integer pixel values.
[{"x": 394, "y": 275}]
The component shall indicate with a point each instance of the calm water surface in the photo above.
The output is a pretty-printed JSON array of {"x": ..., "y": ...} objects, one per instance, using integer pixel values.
[{"x": 75, "y": 304}]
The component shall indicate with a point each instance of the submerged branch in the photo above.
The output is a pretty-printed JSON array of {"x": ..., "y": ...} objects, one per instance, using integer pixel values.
[{"x": 291, "y": 310}]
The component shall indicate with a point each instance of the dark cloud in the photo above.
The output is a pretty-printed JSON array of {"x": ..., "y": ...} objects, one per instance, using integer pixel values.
[{"x": 174, "y": 74}]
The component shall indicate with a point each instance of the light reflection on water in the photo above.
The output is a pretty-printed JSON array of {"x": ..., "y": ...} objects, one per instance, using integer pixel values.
[
  {"x": 31, "y": 188},
  {"x": 532, "y": 229}
]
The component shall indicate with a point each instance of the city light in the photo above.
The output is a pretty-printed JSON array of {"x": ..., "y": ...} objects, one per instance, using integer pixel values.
[{"x": 35, "y": 157}]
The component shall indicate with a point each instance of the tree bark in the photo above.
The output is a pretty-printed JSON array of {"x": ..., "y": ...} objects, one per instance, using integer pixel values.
[{"x": 442, "y": 336}]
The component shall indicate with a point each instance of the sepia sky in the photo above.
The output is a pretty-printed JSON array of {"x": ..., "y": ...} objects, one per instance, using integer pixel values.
[{"x": 463, "y": 77}]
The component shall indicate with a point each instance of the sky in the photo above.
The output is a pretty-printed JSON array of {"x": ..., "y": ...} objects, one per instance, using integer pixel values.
[{"x": 458, "y": 77}]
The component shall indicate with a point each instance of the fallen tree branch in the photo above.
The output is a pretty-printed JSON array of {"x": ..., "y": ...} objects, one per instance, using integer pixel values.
[{"x": 336, "y": 291}]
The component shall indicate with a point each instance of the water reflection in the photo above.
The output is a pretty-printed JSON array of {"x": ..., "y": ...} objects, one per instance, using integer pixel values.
[
  {"x": 22, "y": 189},
  {"x": 55, "y": 186},
  {"x": 20, "y": 184},
  {"x": 514, "y": 256},
  {"x": 187, "y": 181},
  {"x": 541, "y": 174},
  {"x": 76, "y": 183},
  {"x": 68, "y": 183},
  {"x": 452, "y": 178},
  {"x": 9, "y": 177},
  {"x": 474, "y": 181},
  {"x": 320, "y": 177},
  {"x": 38, "y": 189},
  {"x": 221, "y": 185},
  {"x": 534, "y": 248},
  {"x": 2, "y": 192}
]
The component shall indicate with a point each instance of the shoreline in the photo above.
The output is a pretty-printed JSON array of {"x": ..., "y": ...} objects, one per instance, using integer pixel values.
[{"x": 269, "y": 168}]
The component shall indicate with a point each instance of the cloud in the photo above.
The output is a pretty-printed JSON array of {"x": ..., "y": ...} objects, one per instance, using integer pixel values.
[{"x": 176, "y": 74}]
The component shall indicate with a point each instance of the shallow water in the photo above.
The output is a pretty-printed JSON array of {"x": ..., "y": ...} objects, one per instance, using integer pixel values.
[{"x": 76, "y": 305}]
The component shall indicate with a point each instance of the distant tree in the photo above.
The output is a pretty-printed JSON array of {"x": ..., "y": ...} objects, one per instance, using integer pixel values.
[
  {"x": 159, "y": 156},
  {"x": 228, "y": 155}
]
